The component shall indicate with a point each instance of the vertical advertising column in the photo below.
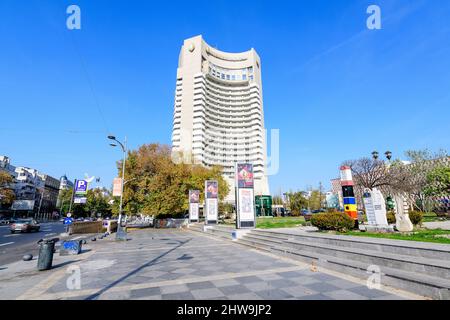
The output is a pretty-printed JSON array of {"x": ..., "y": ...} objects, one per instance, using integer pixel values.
[
  {"x": 194, "y": 197},
  {"x": 211, "y": 201},
  {"x": 245, "y": 197},
  {"x": 348, "y": 194}
]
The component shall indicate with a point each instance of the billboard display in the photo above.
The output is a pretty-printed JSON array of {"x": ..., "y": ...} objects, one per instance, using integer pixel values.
[
  {"x": 194, "y": 199},
  {"x": 245, "y": 175},
  {"x": 245, "y": 198},
  {"x": 22, "y": 205},
  {"x": 212, "y": 189},
  {"x": 246, "y": 205},
  {"x": 211, "y": 201},
  {"x": 194, "y": 196}
]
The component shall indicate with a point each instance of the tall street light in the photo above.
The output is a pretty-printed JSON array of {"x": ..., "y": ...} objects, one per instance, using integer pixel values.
[{"x": 121, "y": 232}]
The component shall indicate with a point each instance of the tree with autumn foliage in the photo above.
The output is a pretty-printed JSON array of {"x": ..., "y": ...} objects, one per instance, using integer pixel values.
[
  {"x": 7, "y": 195},
  {"x": 154, "y": 184}
]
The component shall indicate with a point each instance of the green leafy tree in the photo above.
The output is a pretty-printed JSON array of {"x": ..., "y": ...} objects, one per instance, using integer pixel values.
[
  {"x": 438, "y": 182},
  {"x": 297, "y": 201},
  {"x": 316, "y": 200},
  {"x": 97, "y": 202}
]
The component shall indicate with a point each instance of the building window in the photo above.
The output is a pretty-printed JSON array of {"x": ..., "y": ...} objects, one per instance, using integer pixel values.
[{"x": 244, "y": 77}]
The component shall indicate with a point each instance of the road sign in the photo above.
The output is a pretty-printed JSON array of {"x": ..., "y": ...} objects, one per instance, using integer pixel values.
[
  {"x": 81, "y": 187},
  {"x": 69, "y": 214},
  {"x": 68, "y": 221},
  {"x": 80, "y": 200}
]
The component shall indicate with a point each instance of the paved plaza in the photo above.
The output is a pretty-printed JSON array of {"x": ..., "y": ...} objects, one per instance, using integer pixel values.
[{"x": 178, "y": 264}]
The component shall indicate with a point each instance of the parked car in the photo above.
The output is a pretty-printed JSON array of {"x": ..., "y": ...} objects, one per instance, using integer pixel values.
[
  {"x": 24, "y": 225},
  {"x": 4, "y": 220}
]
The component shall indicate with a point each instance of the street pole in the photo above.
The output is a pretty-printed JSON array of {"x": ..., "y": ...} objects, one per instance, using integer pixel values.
[
  {"x": 73, "y": 193},
  {"x": 124, "y": 149},
  {"x": 121, "y": 232},
  {"x": 40, "y": 204}
]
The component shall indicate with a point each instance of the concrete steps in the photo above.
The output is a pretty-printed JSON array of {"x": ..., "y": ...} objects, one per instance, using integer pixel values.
[
  {"x": 412, "y": 248},
  {"x": 218, "y": 230},
  {"x": 402, "y": 265},
  {"x": 434, "y": 267}
]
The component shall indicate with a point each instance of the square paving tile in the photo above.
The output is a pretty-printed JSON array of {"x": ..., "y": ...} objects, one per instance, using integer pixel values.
[
  {"x": 369, "y": 293},
  {"x": 224, "y": 283},
  {"x": 174, "y": 289},
  {"x": 273, "y": 294},
  {"x": 145, "y": 292},
  {"x": 244, "y": 296},
  {"x": 178, "y": 296},
  {"x": 248, "y": 279},
  {"x": 321, "y": 287},
  {"x": 200, "y": 285},
  {"x": 344, "y": 295},
  {"x": 258, "y": 286},
  {"x": 299, "y": 291},
  {"x": 210, "y": 293},
  {"x": 282, "y": 283},
  {"x": 236, "y": 289}
]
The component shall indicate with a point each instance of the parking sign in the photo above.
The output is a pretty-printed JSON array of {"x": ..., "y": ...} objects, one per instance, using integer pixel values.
[{"x": 81, "y": 187}]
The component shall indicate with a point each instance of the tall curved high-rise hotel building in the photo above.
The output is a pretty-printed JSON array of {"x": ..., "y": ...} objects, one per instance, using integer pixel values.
[{"x": 218, "y": 117}]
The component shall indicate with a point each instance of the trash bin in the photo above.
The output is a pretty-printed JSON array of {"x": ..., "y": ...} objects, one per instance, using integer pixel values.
[{"x": 46, "y": 250}]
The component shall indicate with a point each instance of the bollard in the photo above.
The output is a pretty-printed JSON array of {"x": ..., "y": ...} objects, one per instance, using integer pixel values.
[{"x": 27, "y": 257}]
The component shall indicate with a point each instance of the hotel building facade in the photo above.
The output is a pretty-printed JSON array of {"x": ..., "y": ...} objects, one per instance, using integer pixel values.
[{"x": 218, "y": 117}]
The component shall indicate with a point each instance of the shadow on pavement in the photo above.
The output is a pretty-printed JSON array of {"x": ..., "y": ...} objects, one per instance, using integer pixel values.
[{"x": 148, "y": 264}]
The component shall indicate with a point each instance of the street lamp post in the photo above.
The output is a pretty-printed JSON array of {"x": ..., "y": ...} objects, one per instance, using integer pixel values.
[{"x": 121, "y": 232}]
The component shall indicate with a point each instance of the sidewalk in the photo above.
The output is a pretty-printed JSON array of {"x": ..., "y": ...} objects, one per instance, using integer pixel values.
[{"x": 179, "y": 264}]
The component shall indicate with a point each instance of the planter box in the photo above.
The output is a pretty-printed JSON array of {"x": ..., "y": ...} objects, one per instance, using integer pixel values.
[{"x": 170, "y": 223}]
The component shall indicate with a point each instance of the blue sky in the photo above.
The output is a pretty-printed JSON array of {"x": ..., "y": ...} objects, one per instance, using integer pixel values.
[{"x": 335, "y": 89}]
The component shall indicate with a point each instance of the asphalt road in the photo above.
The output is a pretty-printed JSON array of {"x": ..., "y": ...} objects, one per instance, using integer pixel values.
[{"x": 14, "y": 246}]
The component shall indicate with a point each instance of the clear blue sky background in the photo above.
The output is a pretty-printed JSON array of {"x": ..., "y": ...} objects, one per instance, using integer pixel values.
[{"x": 335, "y": 90}]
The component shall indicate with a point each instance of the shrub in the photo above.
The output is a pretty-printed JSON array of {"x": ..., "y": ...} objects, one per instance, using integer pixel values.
[
  {"x": 337, "y": 221},
  {"x": 390, "y": 215},
  {"x": 416, "y": 217}
]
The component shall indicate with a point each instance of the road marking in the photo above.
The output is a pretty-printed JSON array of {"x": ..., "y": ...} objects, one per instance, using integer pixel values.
[
  {"x": 49, "y": 234},
  {"x": 5, "y": 244},
  {"x": 12, "y": 235}
]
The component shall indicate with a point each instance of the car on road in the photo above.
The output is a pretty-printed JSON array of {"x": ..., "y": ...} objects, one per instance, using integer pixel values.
[
  {"x": 4, "y": 220},
  {"x": 24, "y": 225}
]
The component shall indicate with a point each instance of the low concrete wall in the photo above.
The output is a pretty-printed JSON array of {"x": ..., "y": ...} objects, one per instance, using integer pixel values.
[
  {"x": 86, "y": 227},
  {"x": 171, "y": 223}
]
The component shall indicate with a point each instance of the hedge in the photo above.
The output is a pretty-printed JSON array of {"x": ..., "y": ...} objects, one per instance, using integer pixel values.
[{"x": 337, "y": 221}]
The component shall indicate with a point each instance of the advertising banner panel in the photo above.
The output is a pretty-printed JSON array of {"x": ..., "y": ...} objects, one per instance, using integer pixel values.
[
  {"x": 245, "y": 175},
  {"x": 245, "y": 198},
  {"x": 117, "y": 187},
  {"x": 194, "y": 199},
  {"x": 212, "y": 189},
  {"x": 211, "y": 201},
  {"x": 246, "y": 205}
]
